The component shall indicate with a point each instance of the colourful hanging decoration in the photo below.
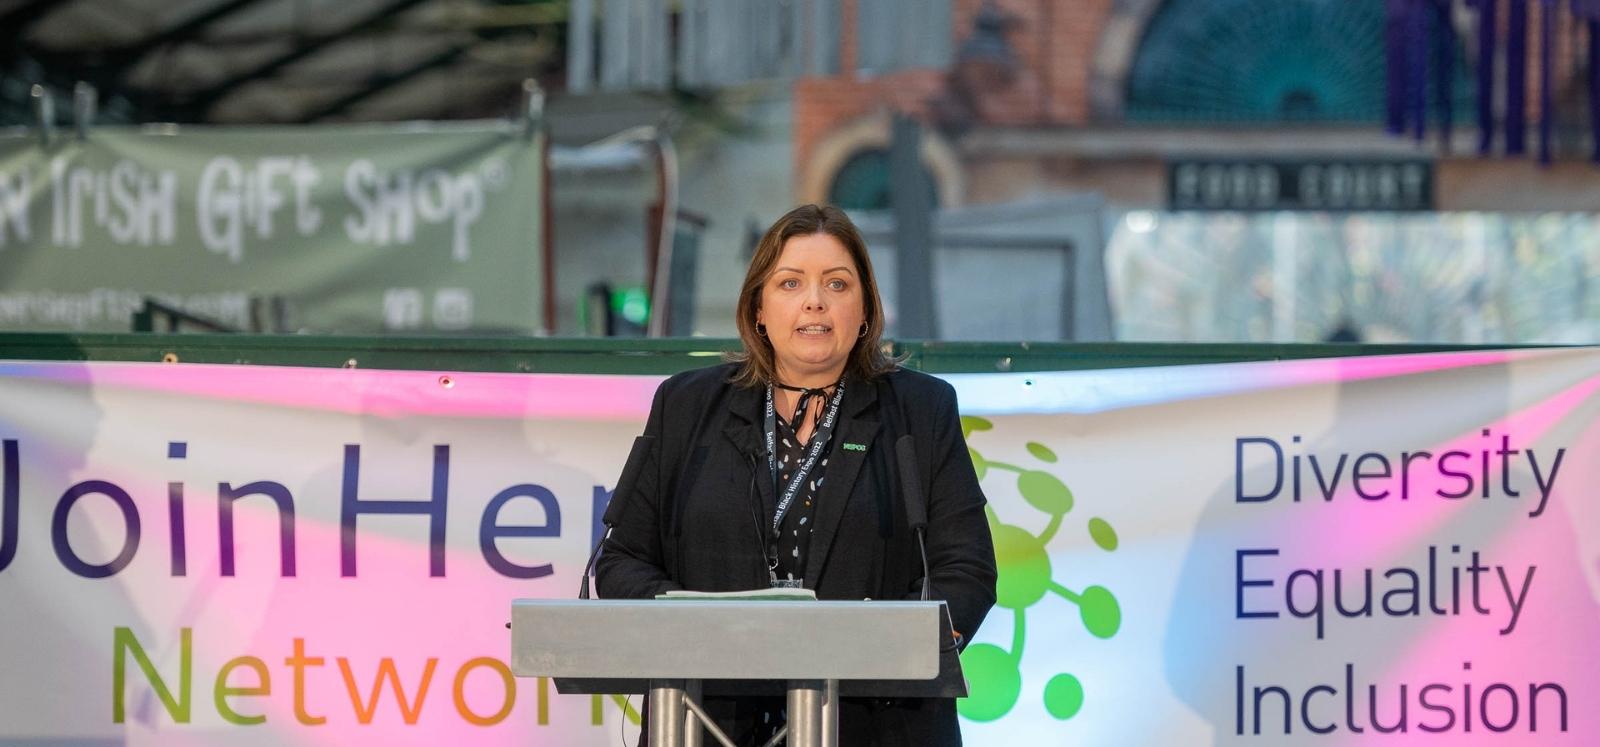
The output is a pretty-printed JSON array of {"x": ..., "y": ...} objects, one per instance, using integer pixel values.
[
  {"x": 1420, "y": 38},
  {"x": 1395, "y": 54},
  {"x": 1588, "y": 11},
  {"x": 1547, "y": 104},
  {"x": 1446, "y": 69},
  {"x": 1487, "y": 52},
  {"x": 1517, "y": 78},
  {"x": 1418, "y": 33},
  {"x": 1594, "y": 84}
]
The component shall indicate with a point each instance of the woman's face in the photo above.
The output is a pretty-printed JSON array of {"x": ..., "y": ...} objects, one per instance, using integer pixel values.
[{"x": 812, "y": 307}]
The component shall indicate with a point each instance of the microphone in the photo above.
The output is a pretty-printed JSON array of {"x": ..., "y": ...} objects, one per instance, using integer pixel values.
[
  {"x": 619, "y": 496},
  {"x": 905, "y": 451}
]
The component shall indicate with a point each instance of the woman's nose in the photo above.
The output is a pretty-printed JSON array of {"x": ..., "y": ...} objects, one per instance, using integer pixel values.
[{"x": 814, "y": 299}]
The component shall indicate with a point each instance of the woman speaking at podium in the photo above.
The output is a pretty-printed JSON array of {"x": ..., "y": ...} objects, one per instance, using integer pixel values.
[{"x": 779, "y": 469}]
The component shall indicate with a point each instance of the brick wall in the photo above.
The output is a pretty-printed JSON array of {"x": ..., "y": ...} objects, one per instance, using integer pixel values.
[{"x": 1054, "y": 41}]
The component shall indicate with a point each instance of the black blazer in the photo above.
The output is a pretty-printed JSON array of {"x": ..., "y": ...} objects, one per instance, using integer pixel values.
[{"x": 691, "y": 522}]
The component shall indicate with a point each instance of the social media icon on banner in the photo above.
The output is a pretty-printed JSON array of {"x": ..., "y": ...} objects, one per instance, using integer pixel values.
[
  {"x": 452, "y": 308},
  {"x": 402, "y": 308}
]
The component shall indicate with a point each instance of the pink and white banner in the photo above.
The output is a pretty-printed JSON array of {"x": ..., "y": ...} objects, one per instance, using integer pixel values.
[{"x": 1379, "y": 550}]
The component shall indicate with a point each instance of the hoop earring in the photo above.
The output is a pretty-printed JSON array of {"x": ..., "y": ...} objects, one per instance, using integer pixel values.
[
  {"x": 863, "y": 330},
  {"x": 761, "y": 329}
]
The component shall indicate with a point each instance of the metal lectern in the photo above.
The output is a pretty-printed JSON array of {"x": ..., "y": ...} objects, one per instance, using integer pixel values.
[{"x": 679, "y": 650}]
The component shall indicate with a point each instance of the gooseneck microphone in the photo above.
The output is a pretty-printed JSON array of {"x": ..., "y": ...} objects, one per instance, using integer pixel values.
[
  {"x": 905, "y": 451},
  {"x": 619, "y": 499}
]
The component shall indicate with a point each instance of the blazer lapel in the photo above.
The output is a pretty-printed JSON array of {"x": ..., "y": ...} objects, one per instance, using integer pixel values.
[
  {"x": 745, "y": 431},
  {"x": 851, "y": 442}
]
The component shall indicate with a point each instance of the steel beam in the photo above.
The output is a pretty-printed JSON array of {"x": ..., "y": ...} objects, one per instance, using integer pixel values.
[
  {"x": 204, "y": 99},
  {"x": 384, "y": 82}
]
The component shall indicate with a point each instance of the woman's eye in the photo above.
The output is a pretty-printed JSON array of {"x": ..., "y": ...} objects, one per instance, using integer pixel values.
[
  {"x": 789, "y": 283},
  {"x": 836, "y": 284}
]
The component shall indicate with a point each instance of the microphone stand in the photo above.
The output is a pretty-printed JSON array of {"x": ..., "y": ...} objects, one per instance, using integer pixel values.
[
  {"x": 619, "y": 499},
  {"x": 916, "y": 501}
]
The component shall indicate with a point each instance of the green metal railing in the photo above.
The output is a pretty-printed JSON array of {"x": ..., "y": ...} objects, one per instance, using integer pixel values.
[{"x": 632, "y": 356}]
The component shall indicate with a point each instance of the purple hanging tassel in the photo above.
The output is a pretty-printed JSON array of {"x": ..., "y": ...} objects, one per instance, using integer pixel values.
[
  {"x": 1517, "y": 78},
  {"x": 1594, "y": 86},
  {"x": 1547, "y": 30},
  {"x": 1417, "y": 33},
  {"x": 1446, "y": 73},
  {"x": 1588, "y": 11},
  {"x": 1394, "y": 46},
  {"x": 1487, "y": 35}
]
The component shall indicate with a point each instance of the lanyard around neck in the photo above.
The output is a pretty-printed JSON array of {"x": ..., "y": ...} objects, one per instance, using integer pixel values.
[{"x": 819, "y": 441}]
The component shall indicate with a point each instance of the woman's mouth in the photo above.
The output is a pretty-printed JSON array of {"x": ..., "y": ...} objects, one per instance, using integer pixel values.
[{"x": 814, "y": 329}]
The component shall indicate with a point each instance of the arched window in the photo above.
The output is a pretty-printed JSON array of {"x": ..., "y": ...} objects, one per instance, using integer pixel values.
[
  {"x": 862, "y": 183},
  {"x": 1266, "y": 61}
]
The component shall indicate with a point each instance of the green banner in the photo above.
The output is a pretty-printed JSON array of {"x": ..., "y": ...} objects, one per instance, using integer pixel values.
[{"x": 352, "y": 229}]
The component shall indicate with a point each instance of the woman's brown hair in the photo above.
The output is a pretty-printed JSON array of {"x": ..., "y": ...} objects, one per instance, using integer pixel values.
[{"x": 868, "y": 360}]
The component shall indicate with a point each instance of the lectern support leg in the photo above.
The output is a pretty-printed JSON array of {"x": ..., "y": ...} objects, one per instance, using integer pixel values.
[
  {"x": 693, "y": 732},
  {"x": 830, "y": 713},
  {"x": 813, "y": 713},
  {"x": 667, "y": 713},
  {"x": 805, "y": 713}
]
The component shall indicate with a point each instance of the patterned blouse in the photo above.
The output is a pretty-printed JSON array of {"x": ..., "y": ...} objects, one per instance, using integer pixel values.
[
  {"x": 794, "y": 541},
  {"x": 794, "y": 534}
]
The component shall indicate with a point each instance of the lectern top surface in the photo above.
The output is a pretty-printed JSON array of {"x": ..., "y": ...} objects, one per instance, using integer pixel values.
[{"x": 725, "y": 639}]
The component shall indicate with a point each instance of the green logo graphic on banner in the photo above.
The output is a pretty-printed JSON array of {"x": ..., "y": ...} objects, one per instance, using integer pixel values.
[{"x": 995, "y": 673}]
